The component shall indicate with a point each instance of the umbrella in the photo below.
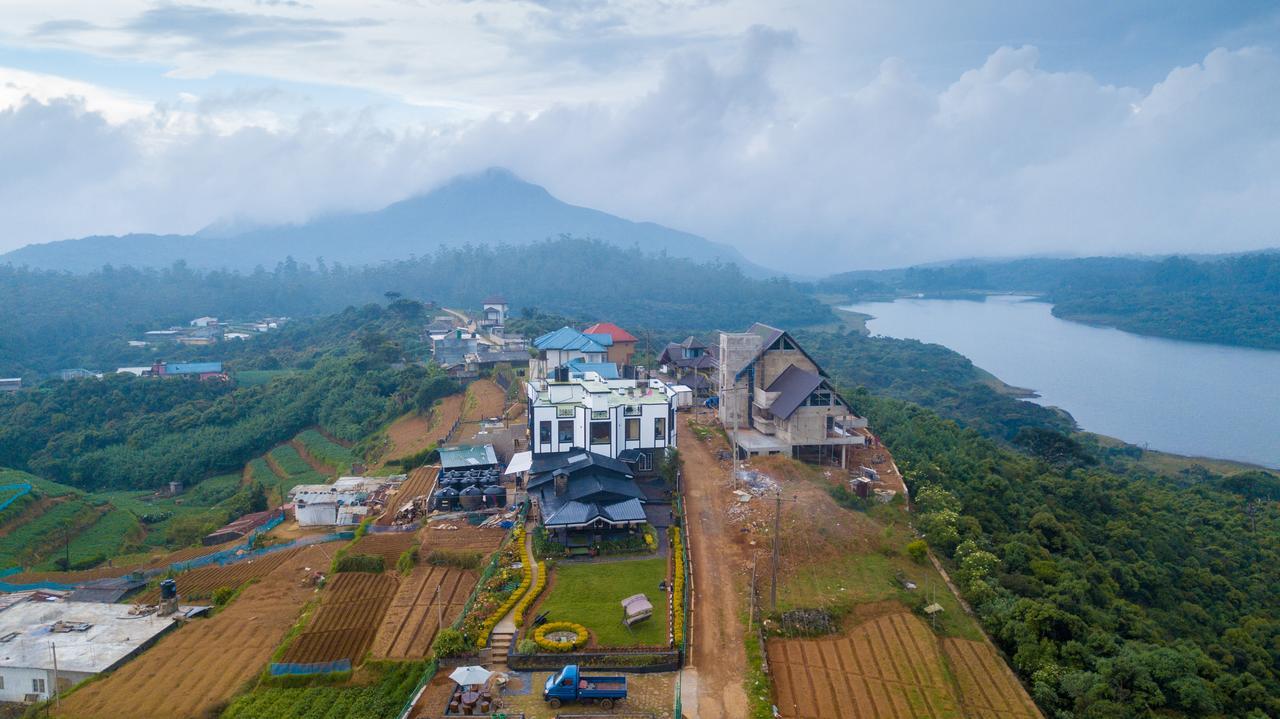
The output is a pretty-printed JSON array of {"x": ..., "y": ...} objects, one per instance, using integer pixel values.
[{"x": 467, "y": 676}]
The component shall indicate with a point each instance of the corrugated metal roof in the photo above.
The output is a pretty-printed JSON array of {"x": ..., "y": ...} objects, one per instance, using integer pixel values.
[
  {"x": 608, "y": 328},
  {"x": 606, "y": 370},
  {"x": 567, "y": 338},
  {"x": 192, "y": 367},
  {"x": 573, "y": 514}
]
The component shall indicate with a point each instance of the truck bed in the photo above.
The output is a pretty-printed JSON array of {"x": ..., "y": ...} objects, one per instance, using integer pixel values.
[{"x": 593, "y": 686}]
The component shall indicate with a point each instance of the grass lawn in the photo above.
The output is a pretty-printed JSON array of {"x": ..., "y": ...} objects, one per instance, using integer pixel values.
[{"x": 589, "y": 594}]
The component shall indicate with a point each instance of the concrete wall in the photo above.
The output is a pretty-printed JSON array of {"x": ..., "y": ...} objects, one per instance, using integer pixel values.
[
  {"x": 17, "y": 682},
  {"x": 737, "y": 349}
]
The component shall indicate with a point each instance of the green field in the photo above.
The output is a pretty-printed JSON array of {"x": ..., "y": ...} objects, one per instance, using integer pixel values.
[
  {"x": 327, "y": 451},
  {"x": 43, "y": 535},
  {"x": 589, "y": 594},
  {"x": 104, "y": 539},
  {"x": 288, "y": 459},
  {"x": 296, "y": 468},
  {"x": 45, "y": 487}
]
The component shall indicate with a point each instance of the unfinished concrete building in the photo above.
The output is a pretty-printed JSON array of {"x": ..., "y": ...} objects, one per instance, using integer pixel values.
[{"x": 775, "y": 399}]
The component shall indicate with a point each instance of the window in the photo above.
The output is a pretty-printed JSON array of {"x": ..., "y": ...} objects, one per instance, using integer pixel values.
[
  {"x": 37, "y": 686},
  {"x": 544, "y": 432},
  {"x": 820, "y": 398},
  {"x": 1, "y": 683},
  {"x": 565, "y": 433},
  {"x": 600, "y": 414},
  {"x": 632, "y": 410},
  {"x": 564, "y": 411},
  {"x": 645, "y": 464},
  {"x": 601, "y": 432},
  {"x": 659, "y": 429},
  {"x": 633, "y": 430}
]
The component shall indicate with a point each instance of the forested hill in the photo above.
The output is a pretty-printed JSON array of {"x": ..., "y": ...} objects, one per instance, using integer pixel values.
[
  {"x": 54, "y": 320},
  {"x": 1229, "y": 300},
  {"x": 1116, "y": 591},
  {"x": 489, "y": 208}
]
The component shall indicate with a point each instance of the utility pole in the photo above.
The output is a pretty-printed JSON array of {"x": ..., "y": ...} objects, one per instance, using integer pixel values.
[
  {"x": 439, "y": 610},
  {"x": 57, "y": 697},
  {"x": 777, "y": 529},
  {"x": 751, "y": 613},
  {"x": 66, "y": 542}
]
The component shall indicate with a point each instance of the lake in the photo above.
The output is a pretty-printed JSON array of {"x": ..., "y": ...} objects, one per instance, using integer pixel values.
[{"x": 1182, "y": 397}]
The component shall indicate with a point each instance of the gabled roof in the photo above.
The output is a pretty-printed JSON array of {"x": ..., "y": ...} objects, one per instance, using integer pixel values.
[
  {"x": 590, "y": 486},
  {"x": 608, "y": 328},
  {"x": 495, "y": 300},
  {"x": 573, "y": 514},
  {"x": 567, "y": 338},
  {"x": 543, "y": 466},
  {"x": 692, "y": 342},
  {"x": 795, "y": 385},
  {"x": 768, "y": 335}
]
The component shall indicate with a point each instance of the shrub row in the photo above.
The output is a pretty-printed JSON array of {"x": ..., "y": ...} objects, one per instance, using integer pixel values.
[
  {"x": 677, "y": 588},
  {"x": 517, "y": 539},
  {"x": 551, "y": 645},
  {"x": 527, "y": 600},
  {"x": 373, "y": 563},
  {"x": 460, "y": 558}
]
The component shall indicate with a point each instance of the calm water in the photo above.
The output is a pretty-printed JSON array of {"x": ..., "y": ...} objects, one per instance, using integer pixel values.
[{"x": 1183, "y": 397}]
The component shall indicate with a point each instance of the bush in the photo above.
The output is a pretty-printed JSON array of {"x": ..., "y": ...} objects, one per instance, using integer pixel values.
[
  {"x": 517, "y": 540},
  {"x": 677, "y": 589},
  {"x": 222, "y": 595},
  {"x": 450, "y": 643},
  {"x": 372, "y": 563},
  {"x": 551, "y": 645},
  {"x": 918, "y": 550},
  {"x": 460, "y": 558},
  {"x": 407, "y": 561},
  {"x": 527, "y": 600}
]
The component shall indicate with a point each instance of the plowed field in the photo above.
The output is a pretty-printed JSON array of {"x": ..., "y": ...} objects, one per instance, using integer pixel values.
[
  {"x": 389, "y": 546},
  {"x": 464, "y": 537},
  {"x": 988, "y": 687},
  {"x": 348, "y": 617},
  {"x": 202, "y": 665},
  {"x": 200, "y": 583},
  {"x": 889, "y": 667},
  {"x": 411, "y": 622}
]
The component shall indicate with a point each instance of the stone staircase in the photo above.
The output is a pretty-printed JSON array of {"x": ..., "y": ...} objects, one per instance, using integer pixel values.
[{"x": 499, "y": 648}]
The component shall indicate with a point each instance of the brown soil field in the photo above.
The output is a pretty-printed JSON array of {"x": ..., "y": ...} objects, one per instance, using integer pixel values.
[
  {"x": 418, "y": 484},
  {"x": 200, "y": 583},
  {"x": 888, "y": 667},
  {"x": 485, "y": 399},
  {"x": 389, "y": 546},
  {"x": 415, "y": 432},
  {"x": 464, "y": 537},
  {"x": 200, "y": 666},
  {"x": 349, "y": 615},
  {"x": 410, "y": 624},
  {"x": 988, "y": 687}
]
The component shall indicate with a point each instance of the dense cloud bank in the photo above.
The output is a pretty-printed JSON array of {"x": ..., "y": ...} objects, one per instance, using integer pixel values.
[{"x": 1008, "y": 158}]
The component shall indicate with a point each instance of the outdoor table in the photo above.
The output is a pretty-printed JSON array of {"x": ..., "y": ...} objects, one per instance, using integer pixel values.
[{"x": 469, "y": 699}]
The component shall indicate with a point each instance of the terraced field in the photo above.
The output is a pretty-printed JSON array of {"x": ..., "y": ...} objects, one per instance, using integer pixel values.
[
  {"x": 412, "y": 620},
  {"x": 988, "y": 688},
  {"x": 324, "y": 450},
  {"x": 199, "y": 584},
  {"x": 349, "y": 616},
  {"x": 389, "y": 546},
  {"x": 200, "y": 666}
]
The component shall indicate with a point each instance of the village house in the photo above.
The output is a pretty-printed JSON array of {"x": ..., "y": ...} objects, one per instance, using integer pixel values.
[
  {"x": 347, "y": 501},
  {"x": 692, "y": 364},
  {"x": 493, "y": 316},
  {"x": 585, "y": 497},
  {"x": 775, "y": 399},
  {"x": 626, "y": 419},
  {"x": 565, "y": 345},
  {"x": 624, "y": 343}
]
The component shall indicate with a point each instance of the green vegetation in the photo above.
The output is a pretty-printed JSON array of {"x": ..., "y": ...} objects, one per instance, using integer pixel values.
[
  {"x": 395, "y": 681},
  {"x": 116, "y": 532},
  {"x": 327, "y": 451},
  {"x": 589, "y": 594},
  {"x": 297, "y": 470},
  {"x": 757, "y": 684},
  {"x": 45, "y": 535},
  {"x": 372, "y": 563},
  {"x": 255, "y": 377},
  {"x": 1115, "y": 591},
  {"x": 460, "y": 558}
]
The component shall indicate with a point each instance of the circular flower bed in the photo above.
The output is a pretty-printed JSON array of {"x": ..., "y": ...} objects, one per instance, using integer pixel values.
[{"x": 558, "y": 640}]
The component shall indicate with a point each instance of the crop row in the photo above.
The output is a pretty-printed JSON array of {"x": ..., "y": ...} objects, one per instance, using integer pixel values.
[
  {"x": 288, "y": 459},
  {"x": 327, "y": 451}
]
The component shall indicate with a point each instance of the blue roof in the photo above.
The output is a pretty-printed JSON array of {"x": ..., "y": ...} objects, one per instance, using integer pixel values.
[
  {"x": 606, "y": 370},
  {"x": 567, "y": 338},
  {"x": 192, "y": 367}
]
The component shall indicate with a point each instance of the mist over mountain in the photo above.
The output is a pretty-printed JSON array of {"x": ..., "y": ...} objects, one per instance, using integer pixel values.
[{"x": 486, "y": 208}]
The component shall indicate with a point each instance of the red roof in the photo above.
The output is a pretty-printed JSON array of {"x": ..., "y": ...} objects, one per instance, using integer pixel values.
[{"x": 608, "y": 328}]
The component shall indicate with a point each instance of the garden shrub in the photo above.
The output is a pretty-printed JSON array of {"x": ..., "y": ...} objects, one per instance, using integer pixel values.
[
  {"x": 551, "y": 645},
  {"x": 460, "y": 558},
  {"x": 372, "y": 563},
  {"x": 527, "y": 600},
  {"x": 677, "y": 588},
  {"x": 918, "y": 549},
  {"x": 407, "y": 561},
  {"x": 222, "y": 595},
  {"x": 449, "y": 642}
]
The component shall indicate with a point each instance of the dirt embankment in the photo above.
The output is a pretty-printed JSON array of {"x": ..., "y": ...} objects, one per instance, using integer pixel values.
[
  {"x": 413, "y": 433},
  {"x": 485, "y": 399}
]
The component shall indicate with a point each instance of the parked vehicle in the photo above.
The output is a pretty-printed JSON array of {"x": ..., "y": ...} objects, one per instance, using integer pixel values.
[{"x": 567, "y": 685}]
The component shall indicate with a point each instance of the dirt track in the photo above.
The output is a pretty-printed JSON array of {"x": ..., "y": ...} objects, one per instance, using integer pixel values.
[
  {"x": 718, "y": 655},
  {"x": 202, "y": 665}
]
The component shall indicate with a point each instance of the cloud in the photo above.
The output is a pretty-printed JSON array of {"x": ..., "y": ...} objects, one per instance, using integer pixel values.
[{"x": 1005, "y": 158}]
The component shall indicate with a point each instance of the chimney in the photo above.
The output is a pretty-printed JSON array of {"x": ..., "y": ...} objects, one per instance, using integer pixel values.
[{"x": 561, "y": 482}]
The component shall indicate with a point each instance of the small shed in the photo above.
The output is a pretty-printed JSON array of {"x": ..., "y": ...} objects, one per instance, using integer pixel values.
[{"x": 636, "y": 608}]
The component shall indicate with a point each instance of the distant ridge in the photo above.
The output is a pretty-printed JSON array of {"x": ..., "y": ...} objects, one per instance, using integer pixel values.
[{"x": 487, "y": 208}]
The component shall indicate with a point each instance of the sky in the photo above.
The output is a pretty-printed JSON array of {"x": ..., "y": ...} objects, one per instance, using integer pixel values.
[{"x": 813, "y": 136}]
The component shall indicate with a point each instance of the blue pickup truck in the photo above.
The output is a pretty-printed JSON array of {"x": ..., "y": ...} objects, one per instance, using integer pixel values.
[{"x": 567, "y": 686}]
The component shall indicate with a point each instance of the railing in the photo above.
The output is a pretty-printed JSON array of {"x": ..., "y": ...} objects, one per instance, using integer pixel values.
[{"x": 635, "y": 661}]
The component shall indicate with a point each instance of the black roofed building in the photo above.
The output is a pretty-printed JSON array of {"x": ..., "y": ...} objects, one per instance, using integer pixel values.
[
  {"x": 693, "y": 364},
  {"x": 777, "y": 400},
  {"x": 584, "y": 497}
]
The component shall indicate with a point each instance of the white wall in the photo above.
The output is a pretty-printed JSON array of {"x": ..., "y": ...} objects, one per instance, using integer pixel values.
[{"x": 17, "y": 682}]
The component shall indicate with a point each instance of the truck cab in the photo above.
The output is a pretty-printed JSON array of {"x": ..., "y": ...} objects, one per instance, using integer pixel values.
[{"x": 568, "y": 685}]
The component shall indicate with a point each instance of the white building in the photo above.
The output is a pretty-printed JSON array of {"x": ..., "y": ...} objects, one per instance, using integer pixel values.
[
  {"x": 623, "y": 419},
  {"x": 88, "y": 637},
  {"x": 565, "y": 345},
  {"x": 347, "y": 501},
  {"x": 205, "y": 322}
]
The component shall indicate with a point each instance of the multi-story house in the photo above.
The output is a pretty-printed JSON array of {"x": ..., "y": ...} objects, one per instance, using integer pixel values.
[
  {"x": 625, "y": 419},
  {"x": 565, "y": 345},
  {"x": 775, "y": 399}
]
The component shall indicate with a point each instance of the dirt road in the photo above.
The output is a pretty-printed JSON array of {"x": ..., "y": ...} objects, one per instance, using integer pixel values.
[{"x": 718, "y": 658}]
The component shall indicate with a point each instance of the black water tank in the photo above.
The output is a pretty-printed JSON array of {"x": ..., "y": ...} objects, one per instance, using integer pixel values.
[
  {"x": 495, "y": 496},
  {"x": 446, "y": 498},
  {"x": 471, "y": 498},
  {"x": 168, "y": 589}
]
